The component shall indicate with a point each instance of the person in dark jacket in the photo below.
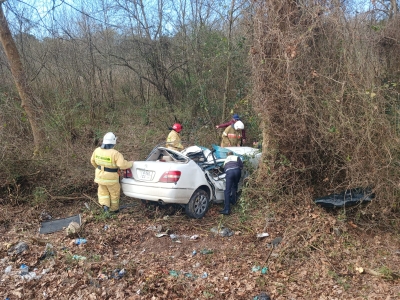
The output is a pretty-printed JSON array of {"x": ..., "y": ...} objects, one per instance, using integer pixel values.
[
  {"x": 234, "y": 119},
  {"x": 233, "y": 171}
]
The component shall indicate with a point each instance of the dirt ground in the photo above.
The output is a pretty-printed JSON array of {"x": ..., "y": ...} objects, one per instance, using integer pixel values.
[{"x": 320, "y": 256}]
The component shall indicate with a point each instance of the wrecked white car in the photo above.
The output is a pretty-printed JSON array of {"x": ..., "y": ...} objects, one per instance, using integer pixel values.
[{"x": 192, "y": 178}]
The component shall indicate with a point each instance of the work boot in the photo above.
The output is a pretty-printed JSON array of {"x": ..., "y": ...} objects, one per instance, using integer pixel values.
[
  {"x": 224, "y": 212},
  {"x": 114, "y": 211},
  {"x": 106, "y": 208}
]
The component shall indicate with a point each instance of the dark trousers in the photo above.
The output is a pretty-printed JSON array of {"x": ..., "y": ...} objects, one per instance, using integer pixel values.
[{"x": 232, "y": 178}]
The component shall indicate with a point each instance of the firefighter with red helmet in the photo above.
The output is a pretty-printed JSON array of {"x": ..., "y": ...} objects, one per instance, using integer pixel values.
[{"x": 174, "y": 139}]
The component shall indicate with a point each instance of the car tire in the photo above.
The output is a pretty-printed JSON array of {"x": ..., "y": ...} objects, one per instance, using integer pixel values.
[{"x": 198, "y": 204}]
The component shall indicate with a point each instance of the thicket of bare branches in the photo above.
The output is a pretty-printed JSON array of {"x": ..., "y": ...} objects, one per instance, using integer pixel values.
[
  {"x": 327, "y": 86},
  {"x": 131, "y": 67}
]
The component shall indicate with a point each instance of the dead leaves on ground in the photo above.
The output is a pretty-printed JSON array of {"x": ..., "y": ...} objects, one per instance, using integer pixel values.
[{"x": 313, "y": 261}]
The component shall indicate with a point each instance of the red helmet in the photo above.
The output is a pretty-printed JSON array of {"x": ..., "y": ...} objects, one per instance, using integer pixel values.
[{"x": 177, "y": 127}]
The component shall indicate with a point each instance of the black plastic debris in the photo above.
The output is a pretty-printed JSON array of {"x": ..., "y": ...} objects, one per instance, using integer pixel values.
[
  {"x": 276, "y": 241},
  {"x": 262, "y": 296},
  {"x": 348, "y": 198},
  {"x": 58, "y": 224}
]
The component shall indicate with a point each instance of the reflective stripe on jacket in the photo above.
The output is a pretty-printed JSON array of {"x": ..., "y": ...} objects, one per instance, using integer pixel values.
[
  {"x": 233, "y": 162},
  {"x": 108, "y": 158},
  {"x": 231, "y": 122},
  {"x": 231, "y": 137}
]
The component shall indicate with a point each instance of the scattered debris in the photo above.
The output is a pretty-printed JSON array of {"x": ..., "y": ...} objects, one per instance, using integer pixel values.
[
  {"x": 189, "y": 275},
  {"x": 72, "y": 229},
  {"x": 347, "y": 198},
  {"x": 78, "y": 257},
  {"x": 59, "y": 224},
  {"x": 194, "y": 237},
  {"x": 18, "y": 248},
  {"x": 118, "y": 274},
  {"x": 263, "y": 270},
  {"x": 48, "y": 252},
  {"x": 262, "y": 235},
  {"x": 262, "y": 296},
  {"x": 161, "y": 234},
  {"x": 255, "y": 268},
  {"x": 102, "y": 276},
  {"x": 174, "y": 238},
  {"x": 24, "y": 269},
  {"x": 222, "y": 231},
  {"x": 45, "y": 216},
  {"x": 155, "y": 228},
  {"x": 8, "y": 270},
  {"x": 206, "y": 251},
  {"x": 31, "y": 275},
  {"x": 80, "y": 241},
  {"x": 276, "y": 241}
]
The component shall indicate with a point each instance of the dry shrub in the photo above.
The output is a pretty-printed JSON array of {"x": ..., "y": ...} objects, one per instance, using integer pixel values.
[{"x": 325, "y": 86}]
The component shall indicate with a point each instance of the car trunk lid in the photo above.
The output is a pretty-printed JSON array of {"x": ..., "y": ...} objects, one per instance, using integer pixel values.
[{"x": 153, "y": 171}]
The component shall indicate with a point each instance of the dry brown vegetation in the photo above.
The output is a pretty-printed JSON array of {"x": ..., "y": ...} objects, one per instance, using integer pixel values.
[
  {"x": 328, "y": 95},
  {"x": 324, "y": 93},
  {"x": 321, "y": 256}
]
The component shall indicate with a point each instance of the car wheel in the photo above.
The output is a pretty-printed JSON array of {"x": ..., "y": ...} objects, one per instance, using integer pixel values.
[{"x": 198, "y": 204}]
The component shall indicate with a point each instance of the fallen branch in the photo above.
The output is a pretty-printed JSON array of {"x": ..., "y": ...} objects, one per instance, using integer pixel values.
[
  {"x": 368, "y": 271},
  {"x": 61, "y": 197},
  {"x": 372, "y": 272},
  {"x": 90, "y": 198}
]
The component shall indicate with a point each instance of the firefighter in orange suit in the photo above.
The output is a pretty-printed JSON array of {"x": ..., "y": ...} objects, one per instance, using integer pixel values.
[
  {"x": 107, "y": 161},
  {"x": 232, "y": 135},
  {"x": 174, "y": 139}
]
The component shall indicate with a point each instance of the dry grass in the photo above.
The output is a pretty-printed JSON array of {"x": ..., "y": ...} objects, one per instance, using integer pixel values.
[{"x": 328, "y": 96}]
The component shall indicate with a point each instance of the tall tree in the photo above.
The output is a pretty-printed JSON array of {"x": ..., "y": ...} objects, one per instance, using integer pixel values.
[{"x": 28, "y": 101}]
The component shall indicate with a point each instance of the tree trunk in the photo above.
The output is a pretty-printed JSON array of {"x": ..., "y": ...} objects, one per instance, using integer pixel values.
[
  {"x": 28, "y": 102},
  {"x": 393, "y": 8},
  {"x": 228, "y": 65}
]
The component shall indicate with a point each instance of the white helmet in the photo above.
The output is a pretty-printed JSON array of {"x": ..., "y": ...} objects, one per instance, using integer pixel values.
[
  {"x": 109, "y": 138},
  {"x": 238, "y": 125}
]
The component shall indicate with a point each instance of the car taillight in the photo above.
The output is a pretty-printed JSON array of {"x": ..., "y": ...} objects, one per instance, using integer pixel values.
[
  {"x": 170, "y": 176},
  {"x": 127, "y": 173}
]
